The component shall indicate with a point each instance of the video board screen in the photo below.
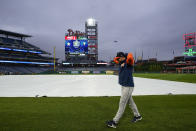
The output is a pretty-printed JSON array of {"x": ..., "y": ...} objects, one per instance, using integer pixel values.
[{"x": 77, "y": 46}]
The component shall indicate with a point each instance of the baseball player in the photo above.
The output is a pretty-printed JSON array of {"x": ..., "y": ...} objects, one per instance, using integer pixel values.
[{"x": 126, "y": 62}]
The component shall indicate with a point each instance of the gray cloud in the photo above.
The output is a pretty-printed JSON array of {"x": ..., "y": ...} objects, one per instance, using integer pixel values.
[{"x": 149, "y": 26}]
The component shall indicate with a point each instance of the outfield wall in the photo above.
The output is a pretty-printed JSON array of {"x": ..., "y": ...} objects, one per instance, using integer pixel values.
[{"x": 108, "y": 72}]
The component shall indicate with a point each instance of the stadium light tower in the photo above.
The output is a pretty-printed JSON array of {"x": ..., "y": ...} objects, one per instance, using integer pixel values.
[
  {"x": 91, "y": 22},
  {"x": 91, "y": 31}
]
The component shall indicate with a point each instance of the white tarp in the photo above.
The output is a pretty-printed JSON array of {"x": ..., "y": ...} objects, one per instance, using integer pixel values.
[{"x": 85, "y": 85}]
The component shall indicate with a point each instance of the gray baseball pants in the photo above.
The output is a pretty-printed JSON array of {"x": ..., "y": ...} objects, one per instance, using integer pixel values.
[{"x": 126, "y": 96}]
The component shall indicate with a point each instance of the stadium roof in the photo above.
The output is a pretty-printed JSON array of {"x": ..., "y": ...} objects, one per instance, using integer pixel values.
[{"x": 13, "y": 33}]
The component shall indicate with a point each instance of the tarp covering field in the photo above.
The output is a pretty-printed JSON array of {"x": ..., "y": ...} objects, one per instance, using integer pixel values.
[{"x": 85, "y": 85}]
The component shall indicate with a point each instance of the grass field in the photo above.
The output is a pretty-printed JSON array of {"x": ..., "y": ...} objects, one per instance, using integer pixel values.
[
  {"x": 191, "y": 78},
  {"x": 160, "y": 113}
]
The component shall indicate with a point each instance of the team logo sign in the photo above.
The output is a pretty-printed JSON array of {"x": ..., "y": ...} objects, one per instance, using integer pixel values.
[
  {"x": 76, "y": 44},
  {"x": 190, "y": 52},
  {"x": 68, "y": 44}
]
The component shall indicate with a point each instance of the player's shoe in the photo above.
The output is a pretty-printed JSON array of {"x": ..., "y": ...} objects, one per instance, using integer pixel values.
[
  {"x": 136, "y": 118},
  {"x": 111, "y": 124}
]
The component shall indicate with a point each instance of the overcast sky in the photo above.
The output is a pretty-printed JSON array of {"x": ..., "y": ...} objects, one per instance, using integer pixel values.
[{"x": 138, "y": 25}]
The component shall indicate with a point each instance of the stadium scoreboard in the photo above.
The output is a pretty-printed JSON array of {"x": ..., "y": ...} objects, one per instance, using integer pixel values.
[{"x": 77, "y": 46}]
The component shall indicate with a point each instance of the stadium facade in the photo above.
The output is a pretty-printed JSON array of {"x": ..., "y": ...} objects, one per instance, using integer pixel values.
[
  {"x": 18, "y": 56},
  {"x": 81, "y": 48}
]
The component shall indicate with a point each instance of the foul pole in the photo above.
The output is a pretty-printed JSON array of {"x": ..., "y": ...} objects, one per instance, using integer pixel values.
[{"x": 54, "y": 58}]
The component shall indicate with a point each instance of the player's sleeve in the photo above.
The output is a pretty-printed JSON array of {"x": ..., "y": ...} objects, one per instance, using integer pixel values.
[
  {"x": 116, "y": 60},
  {"x": 130, "y": 59}
]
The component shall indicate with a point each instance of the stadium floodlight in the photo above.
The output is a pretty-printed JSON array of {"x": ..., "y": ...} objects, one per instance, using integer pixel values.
[{"x": 91, "y": 22}]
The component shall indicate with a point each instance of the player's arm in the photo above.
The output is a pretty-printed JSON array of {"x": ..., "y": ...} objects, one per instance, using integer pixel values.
[
  {"x": 130, "y": 59},
  {"x": 116, "y": 60}
]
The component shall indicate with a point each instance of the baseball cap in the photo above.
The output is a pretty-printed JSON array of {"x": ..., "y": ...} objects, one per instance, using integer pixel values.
[{"x": 120, "y": 54}]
